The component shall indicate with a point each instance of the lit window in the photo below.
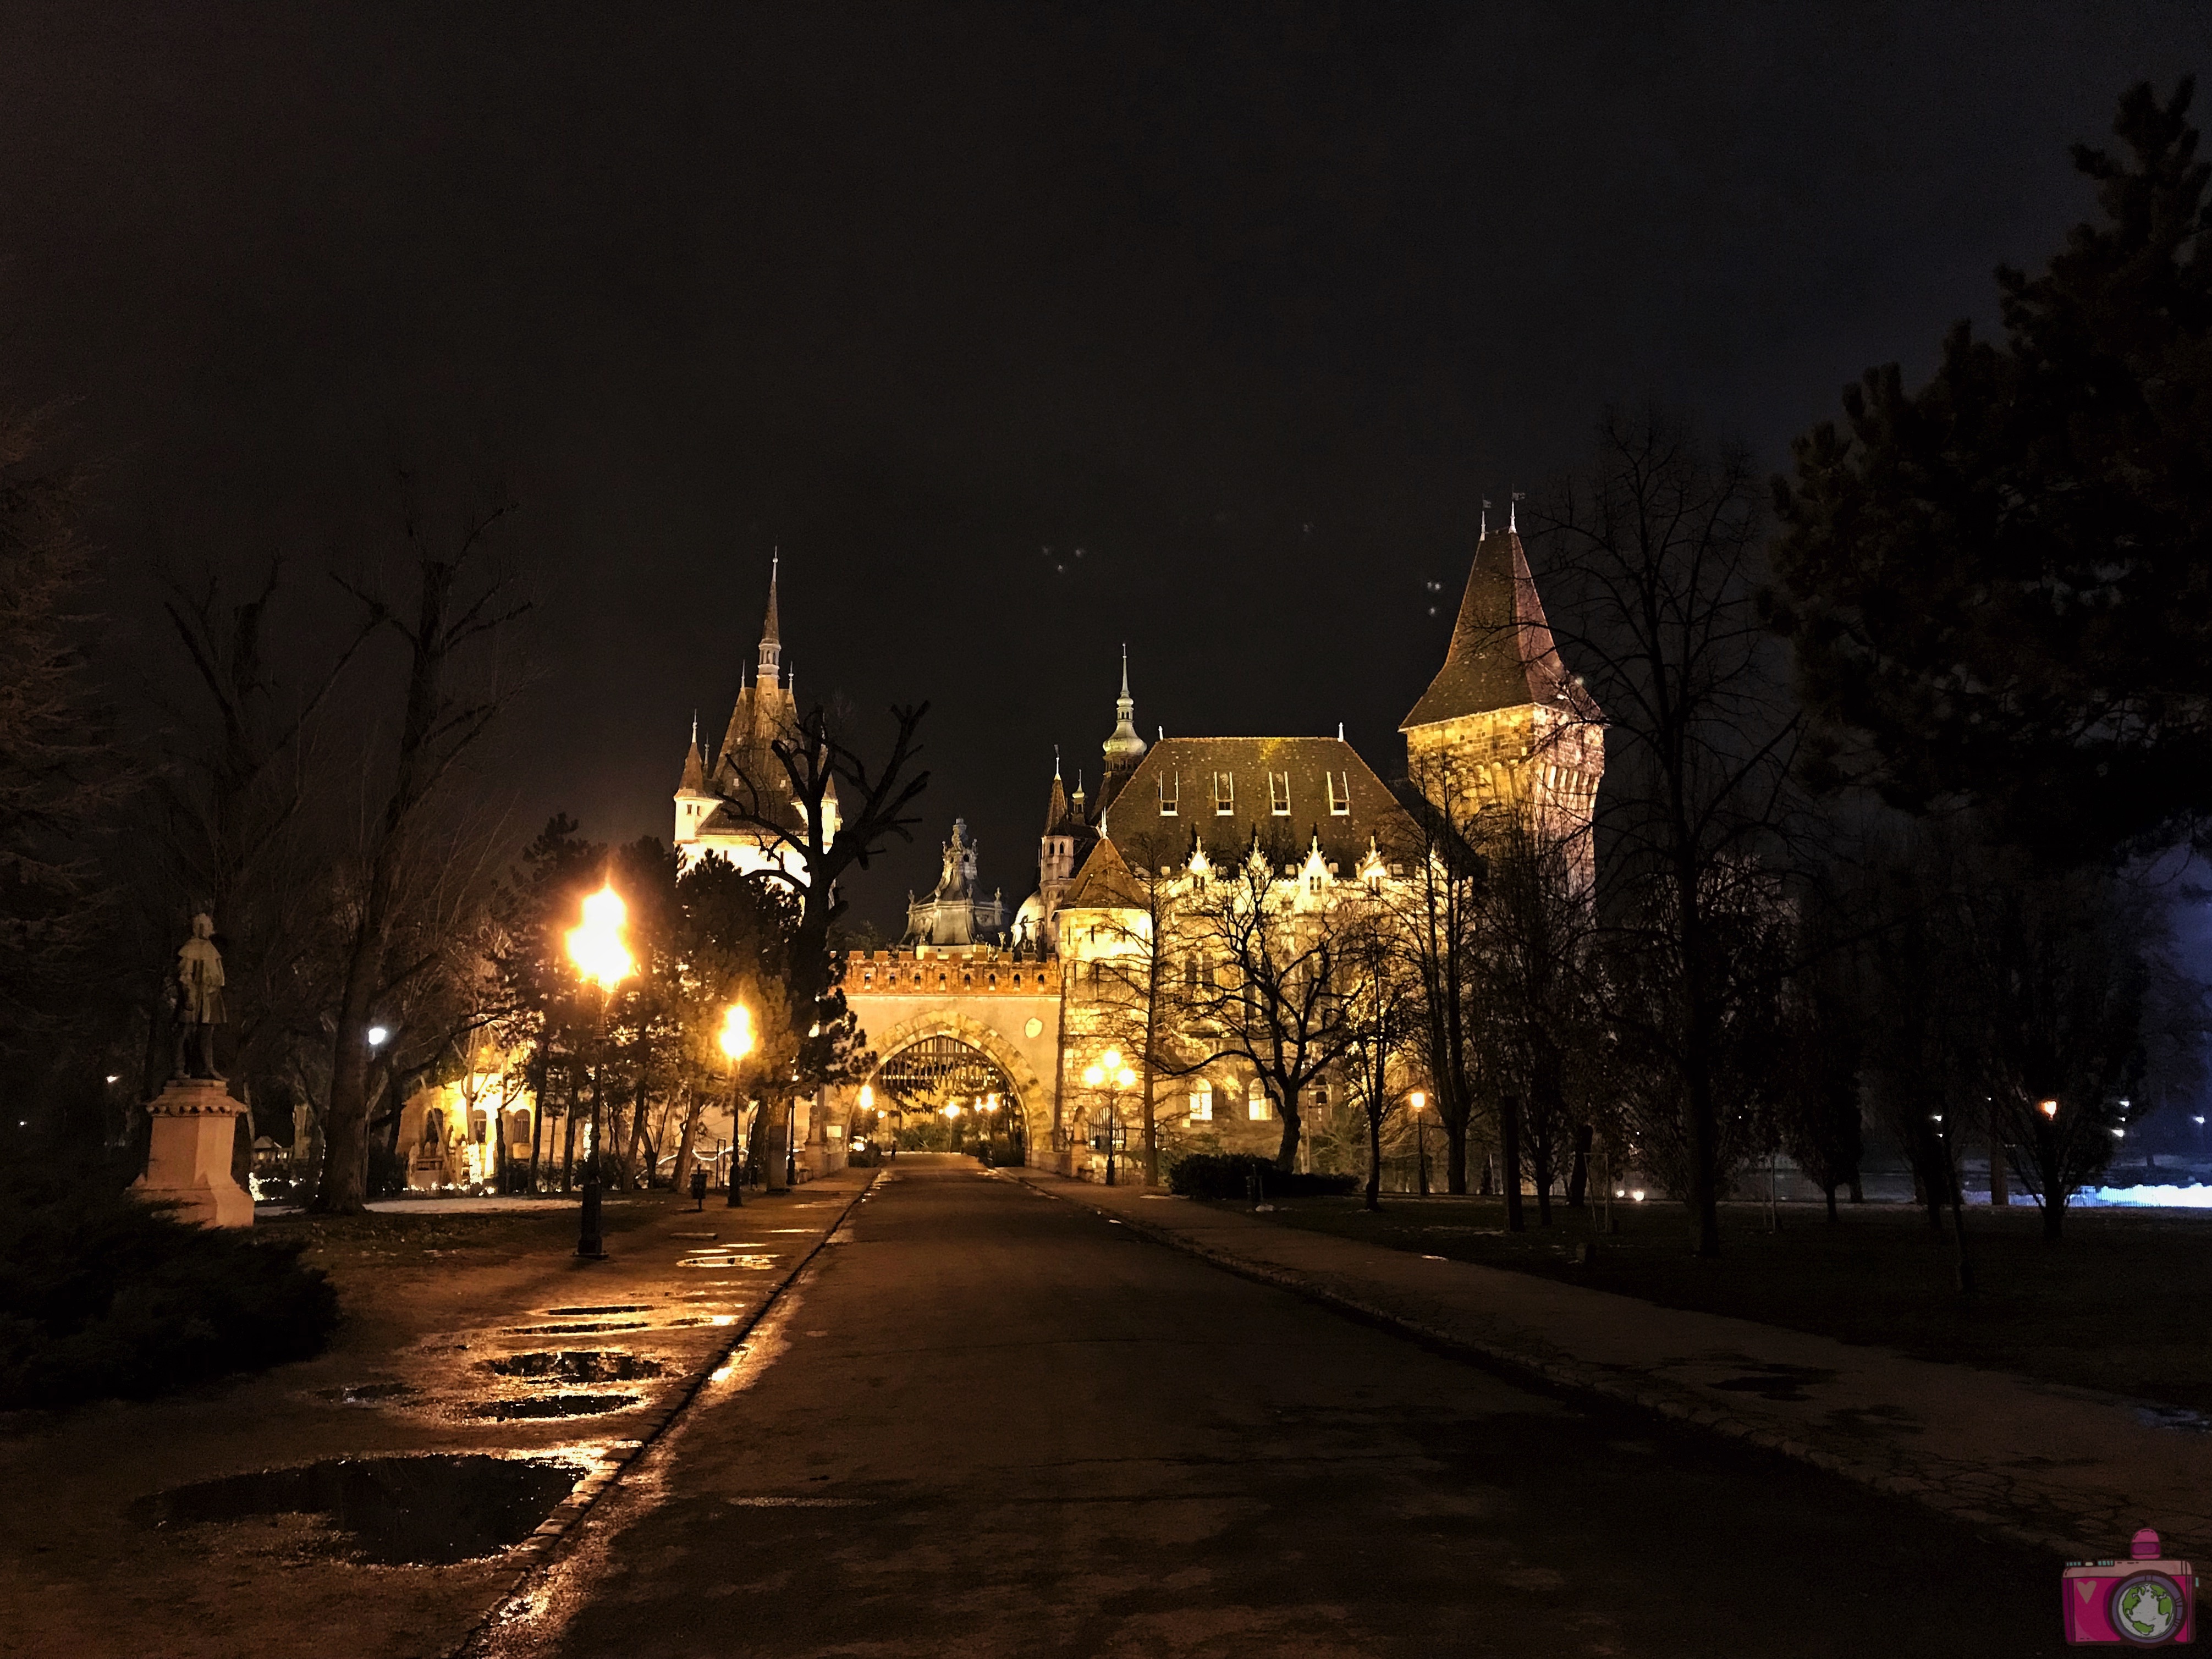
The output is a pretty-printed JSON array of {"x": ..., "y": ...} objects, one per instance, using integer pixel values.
[
  {"x": 1257, "y": 1106},
  {"x": 1278, "y": 793},
  {"x": 1224, "y": 793},
  {"x": 1201, "y": 1102},
  {"x": 1170, "y": 792},
  {"x": 1339, "y": 794}
]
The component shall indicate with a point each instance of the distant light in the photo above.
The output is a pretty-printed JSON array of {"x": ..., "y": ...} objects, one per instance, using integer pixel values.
[
  {"x": 2119, "y": 1134},
  {"x": 1938, "y": 1117},
  {"x": 376, "y": 1036},
  {"x": 1416, "y": 1100},
  {"x": 2049, "y": 1108},
  {"x": 1638, "y": 1197},
  {"x": 115, "y": 1078},
  {"x": 2197, "y": 1120}
]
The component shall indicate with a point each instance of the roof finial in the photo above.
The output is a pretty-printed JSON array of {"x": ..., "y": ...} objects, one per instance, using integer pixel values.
[
  {"x": 1055, "y": 763},
  {"x": 1125, "y": 668},
  {"x": 1512, "y": 512},
  {"x": 1339, "y": 731},
  {"x": 695, "y": 728},
  {"x": 1484, "y": 531}
]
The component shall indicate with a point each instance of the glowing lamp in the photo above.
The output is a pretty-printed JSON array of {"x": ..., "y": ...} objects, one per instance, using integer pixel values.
[
  {"x": 597, "y": 946},
  {"x": 867, "y": 1098},
  {"x": 2049, "y": 1108},
  {"x": 1094, "y": 1075},
  {"x": 1416, "y": 1100},
  {"x": 737, "y": 1031},
  {"x": 377, "y": 1034}
]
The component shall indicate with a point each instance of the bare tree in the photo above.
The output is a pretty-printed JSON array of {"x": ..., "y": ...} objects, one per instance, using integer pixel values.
[
  {"x": 825, "y": 780},
  {"x": 1531, "y": 981},
  {"x": 1656, "y": 551},
  {"x": 1383, "y": 1015},
  {"x": 461, "y": 601},
  {"x": 1436, "y": 910},
  {"x": 1271, "y": 980}
]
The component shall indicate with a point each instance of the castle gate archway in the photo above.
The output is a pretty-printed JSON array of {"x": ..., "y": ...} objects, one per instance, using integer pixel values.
[{"x": 921, "y": 1009}]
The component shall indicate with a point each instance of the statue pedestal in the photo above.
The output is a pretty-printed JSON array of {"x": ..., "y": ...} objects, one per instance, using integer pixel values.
[{"x": 189, "y": 1162}]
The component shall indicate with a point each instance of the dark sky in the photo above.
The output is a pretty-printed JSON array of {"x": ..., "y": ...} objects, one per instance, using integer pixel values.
[{"x": 1248, "y": 304}]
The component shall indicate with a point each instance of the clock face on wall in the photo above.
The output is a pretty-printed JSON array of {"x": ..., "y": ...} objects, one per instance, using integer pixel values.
[{"x": 1035, "y": 1026}]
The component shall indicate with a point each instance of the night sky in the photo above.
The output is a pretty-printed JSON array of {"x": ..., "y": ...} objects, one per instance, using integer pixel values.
[{"x": 1023, "y": 329}]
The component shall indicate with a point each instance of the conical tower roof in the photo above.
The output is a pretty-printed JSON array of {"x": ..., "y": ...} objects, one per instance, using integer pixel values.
[
  {"x": 1055, "y": 807},
  {"x": 1502, "y": 655},
  {"x": 695, "y": 763}
]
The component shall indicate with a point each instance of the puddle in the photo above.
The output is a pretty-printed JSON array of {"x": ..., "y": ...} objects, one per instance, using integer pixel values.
[
  {"x": 367, "y": 1394},
  {"x": 395, "y": 1511},
  {"x": 581, "y": 1313},
  {"x": 553, "y": 1405},
  {"x": 1777, "y": 1381},
  {"x": 575, "y": 1330},
  {"x": 577, "y": 1365},
  {"x": 2174, "y": 1417}
]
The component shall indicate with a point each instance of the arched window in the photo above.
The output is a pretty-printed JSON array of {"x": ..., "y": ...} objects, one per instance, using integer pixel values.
[{"x": 1257, "y": 1106}]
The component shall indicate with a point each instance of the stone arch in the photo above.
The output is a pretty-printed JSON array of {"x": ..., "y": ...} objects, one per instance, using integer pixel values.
[{"x": 1033, "y": 1093}]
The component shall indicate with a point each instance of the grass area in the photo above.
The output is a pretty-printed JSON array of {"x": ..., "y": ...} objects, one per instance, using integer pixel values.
[
  {"x": 346, "y": 1246},
  {"x": 2115, "y": 1305}
]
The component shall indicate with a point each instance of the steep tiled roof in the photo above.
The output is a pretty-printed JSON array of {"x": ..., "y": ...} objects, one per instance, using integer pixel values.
[
  {"x": 1104, "y": 883},
  {"x": 1311, "y": 778},
  {"x": 1501, "y": 654}
]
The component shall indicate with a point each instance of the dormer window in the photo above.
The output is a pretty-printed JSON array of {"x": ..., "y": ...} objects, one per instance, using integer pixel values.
[
  {"x": 1278, "y": 793},
  {"x": 1224, "y": 794},
  {"x": 1339, "y": 794},
  {"x": 1170, "y": 790}
]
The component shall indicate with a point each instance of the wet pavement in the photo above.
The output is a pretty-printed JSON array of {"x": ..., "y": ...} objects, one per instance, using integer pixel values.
[
  {"x": 989, "y": 1422},
  {"x": 391, "y": 1488}
]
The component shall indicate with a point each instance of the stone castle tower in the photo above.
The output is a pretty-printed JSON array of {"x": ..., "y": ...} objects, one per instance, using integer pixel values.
[
  {"x": 746, "y": 776},
  {"x": 1503, "y": 726}
]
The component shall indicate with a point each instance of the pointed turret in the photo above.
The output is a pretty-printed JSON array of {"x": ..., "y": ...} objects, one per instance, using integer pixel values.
[
  {"x": 1055, "y": 807},
  {"x": 771, "y": 642},
  {"x": 695, "y": 761},
  {"x": 1502, "y": 655}
]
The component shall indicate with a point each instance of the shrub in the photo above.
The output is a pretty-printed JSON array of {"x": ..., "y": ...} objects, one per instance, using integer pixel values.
[
  {"x": 1231, "y": 1175},
  {"x": 101, "y": 1295}
]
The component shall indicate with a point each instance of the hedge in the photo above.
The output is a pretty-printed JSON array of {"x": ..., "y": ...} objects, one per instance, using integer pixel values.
[{"x": 1242, "y": 1174}]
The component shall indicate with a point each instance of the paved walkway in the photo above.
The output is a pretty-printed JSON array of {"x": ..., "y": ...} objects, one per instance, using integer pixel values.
[
  {"x": 985, "y": 1425},
  {"x": 2060, "y": 1467}
]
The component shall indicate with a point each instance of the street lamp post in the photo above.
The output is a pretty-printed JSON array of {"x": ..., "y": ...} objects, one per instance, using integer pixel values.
[
  {"x": 596, "y": 947},
  {"x": 737, "y": 1042},
  {"x": 1416, "y": 1100},
  {"x": 1122, "y": 1077}
]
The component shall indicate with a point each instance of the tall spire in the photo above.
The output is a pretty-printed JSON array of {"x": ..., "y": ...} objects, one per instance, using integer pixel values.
[
  {"x": 771, "y": 645},
  {"x": 1125, "y": 748}
]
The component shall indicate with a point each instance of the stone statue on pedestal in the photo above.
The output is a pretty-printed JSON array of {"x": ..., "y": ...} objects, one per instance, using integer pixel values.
[
  {"x": 194, "y": 1129},
  {"x": 198, "y": 998}
]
